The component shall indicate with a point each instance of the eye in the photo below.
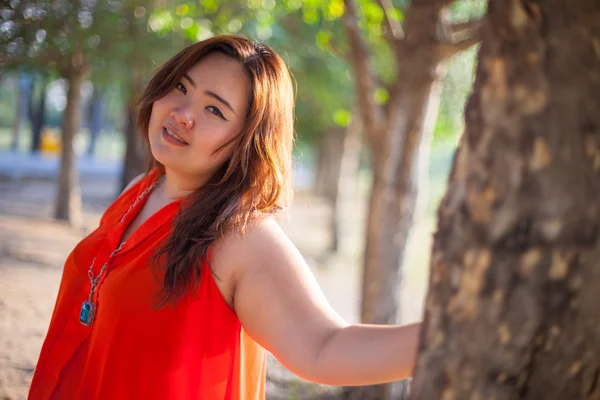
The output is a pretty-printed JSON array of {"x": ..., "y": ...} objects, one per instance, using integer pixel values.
[
  {"x": 180, "y": 86},
  {"x": 216, "y": 111}
]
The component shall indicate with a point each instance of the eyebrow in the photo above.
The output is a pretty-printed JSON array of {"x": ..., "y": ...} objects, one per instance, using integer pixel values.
[{"x": 211, "y": 94}]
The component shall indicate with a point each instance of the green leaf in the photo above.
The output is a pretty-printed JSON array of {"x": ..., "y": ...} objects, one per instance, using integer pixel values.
[
  {"x": 381, "y": 96},
  {"x": 204, "y": 29},
  {"x": 235, "y": 25},
  {"x": 182, "y": 10},
  {"x": 161, "y": 21},
  {"x": 373, "y": 13},
  {"x": 210, "y": 6},
  {"x": 334, "y": 10},
  {"x": 269, "y": 4},
  {"x": 186, "y": 23},
  {"x": 323, "y": 39},
  {"x": 310, "y": 16},
  {"x": 265, "y": 18},
  {"x": 396, "y": 15},
  {"x": 342, "y": 117},
  {"x": 254, "y": 4},
  {"x": 192, "y": 31},
  {"x": 293, "y": 5}
]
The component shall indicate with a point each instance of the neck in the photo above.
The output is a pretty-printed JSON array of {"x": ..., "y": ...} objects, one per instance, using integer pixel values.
[{"x": 177, "y": 185}]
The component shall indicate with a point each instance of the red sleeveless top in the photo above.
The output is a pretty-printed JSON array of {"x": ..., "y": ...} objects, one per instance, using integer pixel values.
[{"x": 196, "y": 349}]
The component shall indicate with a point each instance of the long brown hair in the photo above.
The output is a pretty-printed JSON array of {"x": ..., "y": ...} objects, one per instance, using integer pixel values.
[{"x": 253, "y": 182}]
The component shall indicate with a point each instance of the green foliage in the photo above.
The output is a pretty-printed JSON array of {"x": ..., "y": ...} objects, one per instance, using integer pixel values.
[
  {"x": 7, "y": 102},
  {"x": 309, "y": 37},
  {"x": 342, "y": 117},
  {"x": 120, "y": 37},
  {"x": 456, "y": 88},
  {"x": 459, "y": 78},
  {"x": 381, "y": 95}
]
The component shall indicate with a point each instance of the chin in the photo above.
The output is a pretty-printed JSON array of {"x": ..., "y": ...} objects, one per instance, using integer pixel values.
[{"x": 164, "y": 154}]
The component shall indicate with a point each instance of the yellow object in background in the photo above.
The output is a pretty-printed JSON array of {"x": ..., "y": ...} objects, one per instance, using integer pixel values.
[{"x": 51, "y": 141}]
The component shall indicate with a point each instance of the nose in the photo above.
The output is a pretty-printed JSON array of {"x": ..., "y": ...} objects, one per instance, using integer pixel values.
[{"x": 183, "y": 116}]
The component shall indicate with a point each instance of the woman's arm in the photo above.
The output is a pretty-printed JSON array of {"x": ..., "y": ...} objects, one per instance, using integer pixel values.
[
  {"x": 281, "y": 306},
  {"x": 369, "y": 354}
]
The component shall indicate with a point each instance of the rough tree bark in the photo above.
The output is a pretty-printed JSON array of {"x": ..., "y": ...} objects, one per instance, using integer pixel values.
[
  {"x": 513, "y": 310},
  {"x": 395, "y": 134},
  {"x": 68, "y": 202}
]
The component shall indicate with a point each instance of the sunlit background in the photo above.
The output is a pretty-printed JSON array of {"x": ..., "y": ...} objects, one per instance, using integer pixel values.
[{"x": 120, "y": 44}]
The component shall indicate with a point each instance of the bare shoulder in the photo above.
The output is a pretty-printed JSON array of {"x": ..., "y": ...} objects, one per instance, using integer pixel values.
[
  {"x": 262, "y": 240},
  {"x": 260, "y": 236},
  {"x": 263, "y": 246},
  {"x": 133, "y": 182}
]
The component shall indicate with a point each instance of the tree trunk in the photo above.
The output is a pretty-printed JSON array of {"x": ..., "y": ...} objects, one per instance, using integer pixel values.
[
  {"x": 513, "y": 310},
  {"x": 396, "y": 164},
  {"x": 322, "y": 166},
  {"x": 337, "y": 163},
  {"x": 18, "y": 122},
  {"x": 24, "y": 87},
  {"x": 37, "y": 115},
  {"x": 96, "y": 118},
  {"x": 392, "y": 207},
  {"x": 348, "y": 174},
  {"x": 135, "y": 159},
  {"x": 331, "y": 152},
  {"x": 68, "y": 204}
]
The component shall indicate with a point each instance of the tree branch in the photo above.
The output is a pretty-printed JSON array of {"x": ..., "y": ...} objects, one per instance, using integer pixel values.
[
  {"x": 448, "y": 50},
  {"x": 466, "y": 26},
  {"x": 393, "y": 29},
  {"x": 365, "y": 84},
  {"x": 459, "y": 37}
]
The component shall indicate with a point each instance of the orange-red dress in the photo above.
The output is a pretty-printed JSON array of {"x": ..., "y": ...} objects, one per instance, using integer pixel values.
[{"x": 196, "y": 349}]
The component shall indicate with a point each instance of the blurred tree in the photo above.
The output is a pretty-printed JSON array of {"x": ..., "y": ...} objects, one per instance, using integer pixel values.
[
  {"x": 329, "y": 168},
  {"x": 37, "y": 110},
  {"x": 512, "y": 309},
  {"x": 304, "y": 33},
  {"x": 143, "y": 41},
  {"x": 95, "y": 117},
  {"x": 68, "y": 202},
  {"x": 340, "y": 187},
  {"x": 458, "y": 79},
  {"x": 324, "y": 99},
  {"x": 81, "y": 40},
  {"x": 138, "y": 54},
  {"x": 396, "y": 131},
  {"x": 58, "y": 36},
  {"x": 23, "y": 88},
  {"x": 157, "y": 31}
]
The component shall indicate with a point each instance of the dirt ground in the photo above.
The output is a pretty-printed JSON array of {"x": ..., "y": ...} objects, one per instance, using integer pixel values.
[{"x": 33, "y": 248}]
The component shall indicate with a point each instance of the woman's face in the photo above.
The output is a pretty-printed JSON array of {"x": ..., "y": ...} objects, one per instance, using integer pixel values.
[{"x": 205, "y": 110}]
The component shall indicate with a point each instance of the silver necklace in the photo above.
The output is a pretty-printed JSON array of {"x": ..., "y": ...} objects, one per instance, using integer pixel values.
[{"x": 88, "y": 307}]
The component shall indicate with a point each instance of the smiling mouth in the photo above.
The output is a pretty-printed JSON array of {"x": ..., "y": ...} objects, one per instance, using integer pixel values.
[{"x": 174, "y": 136}]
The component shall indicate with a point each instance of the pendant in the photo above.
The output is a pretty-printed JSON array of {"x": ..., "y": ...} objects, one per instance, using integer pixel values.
[{"x": 86, "y": 316}]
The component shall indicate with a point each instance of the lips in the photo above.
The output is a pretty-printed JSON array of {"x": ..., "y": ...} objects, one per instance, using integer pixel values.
[{"x": 171, "y": 134}]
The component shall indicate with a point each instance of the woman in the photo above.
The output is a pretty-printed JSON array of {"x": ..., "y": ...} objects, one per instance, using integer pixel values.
[{"x": 189, "y": 278}]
